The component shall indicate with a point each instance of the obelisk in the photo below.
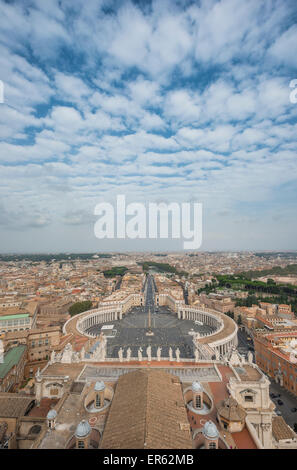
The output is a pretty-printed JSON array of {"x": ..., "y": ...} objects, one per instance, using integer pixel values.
[{"x": 149, "y": 332}]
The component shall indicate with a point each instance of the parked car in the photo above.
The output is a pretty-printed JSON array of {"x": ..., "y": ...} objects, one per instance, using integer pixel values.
[
  {"x": 279, "y": 402},
  {"x": 278, "y": 413},
  {"x": 294, "y": 410},
  {"x": 272, "y": 395}
]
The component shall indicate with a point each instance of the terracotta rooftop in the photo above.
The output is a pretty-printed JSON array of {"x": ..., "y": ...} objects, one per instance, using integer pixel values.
[
  {"x": 25, "y": 333},
  {"x": 13, "y": 405},
  {"x": 280, "y": 429},
  {"x": 147, "y": 412},
  {"x": 42, "y": 410},
  {"x": 243, "y": 439},
  {"x": 58, "y": 368},
  {"x": 247, "y": 373},
  {"x": 230, "y": 410}
]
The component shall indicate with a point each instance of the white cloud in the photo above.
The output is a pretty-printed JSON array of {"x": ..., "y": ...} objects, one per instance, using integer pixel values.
[
  {"x": 71, "y": 88},
  {"x": 284, "y": 46},
  {"x": 151, "y": 121},
  {"x": 145, "y": 92},
  {"x": 182, "y": 106},
  {"x": 166, "y": 100}
]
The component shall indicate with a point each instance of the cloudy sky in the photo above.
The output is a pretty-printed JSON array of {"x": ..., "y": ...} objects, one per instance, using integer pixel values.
[{"x": 160, "y": 101}]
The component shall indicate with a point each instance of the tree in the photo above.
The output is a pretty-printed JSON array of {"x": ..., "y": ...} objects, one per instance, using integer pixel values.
[
  {"x": 115, "y": 271},
  {"x": 80, "y": 307},
  {"x": 239, "y": 320}
]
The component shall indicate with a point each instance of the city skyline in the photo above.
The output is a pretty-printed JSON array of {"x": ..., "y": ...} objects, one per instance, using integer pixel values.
[{"x": 160, "y": 101}]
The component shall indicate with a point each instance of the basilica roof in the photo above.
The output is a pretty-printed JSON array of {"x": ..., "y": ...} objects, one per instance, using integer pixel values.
[{"x": 147, "y": 412}]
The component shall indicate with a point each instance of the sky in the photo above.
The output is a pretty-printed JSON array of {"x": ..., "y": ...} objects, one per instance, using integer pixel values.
[{"x": 165, "y": 101}]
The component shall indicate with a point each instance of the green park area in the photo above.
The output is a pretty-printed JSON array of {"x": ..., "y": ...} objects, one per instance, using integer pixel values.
[
  {"x": 115, "y": 271},
  {"x": 258, "y": 291},
  {"x": 80, "y": 307},
  {"x": 161, "y": 268}
]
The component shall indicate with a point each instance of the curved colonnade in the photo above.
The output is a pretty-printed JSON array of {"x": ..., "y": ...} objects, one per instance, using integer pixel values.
[{"x": 222, "y": 340}]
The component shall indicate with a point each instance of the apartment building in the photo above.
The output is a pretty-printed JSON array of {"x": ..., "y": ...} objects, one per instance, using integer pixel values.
[
  {"x": 18, "y": 318},
  {"x": 40, "y": 342},
  {"x": 12, "y": 368},
  {"x": 276, "y": 355}
]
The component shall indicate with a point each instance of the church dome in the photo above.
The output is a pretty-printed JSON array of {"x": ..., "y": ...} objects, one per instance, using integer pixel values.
[
  {"x": 52, "y": 414},
  {"x": 99, "y": 386},
  {"x": 197, "y": 387},
  {"x": 210, "y": 430},
  {"x": 83, "y": 429}
]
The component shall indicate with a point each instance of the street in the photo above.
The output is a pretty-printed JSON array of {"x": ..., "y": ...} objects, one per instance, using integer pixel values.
[
  {"x": 289, "y": 402},
  {"x": 244, "y": 344}
]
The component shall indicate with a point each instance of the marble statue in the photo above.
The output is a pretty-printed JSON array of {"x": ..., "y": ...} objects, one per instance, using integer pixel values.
[
  {"x": 250, "y": 357},
  {"x": 196, "y": 355},
  {"x": 170, "y": 354},
  {"x": 149, "y": 353},
  {"x": 53, "y": 357},
  {"x": 129, "y": 354},
  {"x": 38, "y": 375},
  {"x": 99, "y": 354},
  {"x": 235, "y": 358},
  {"x": 67, "y": 354},
  {"x": 120, "y": 354},
  {"x": 159, "y": 353},
  {"x": 75, "y": 357},
  {"x": 177, "y": 353},
  {"x": 139, "y": 352},
  {"x": 82, "y": 353}
]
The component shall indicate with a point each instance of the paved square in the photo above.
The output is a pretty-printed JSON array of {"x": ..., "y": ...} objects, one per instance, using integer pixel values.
[{"x": 168, "y": 332}]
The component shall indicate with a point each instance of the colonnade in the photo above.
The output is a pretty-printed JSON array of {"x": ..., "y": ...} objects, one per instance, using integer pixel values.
[
  {"x": 198, "y": 315},
  {"x": 97, "y": 318},
  {"x": 222, "y": 345},
  {"x": 225, "y": 344},
  {"x": 225, "y": 347}
]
